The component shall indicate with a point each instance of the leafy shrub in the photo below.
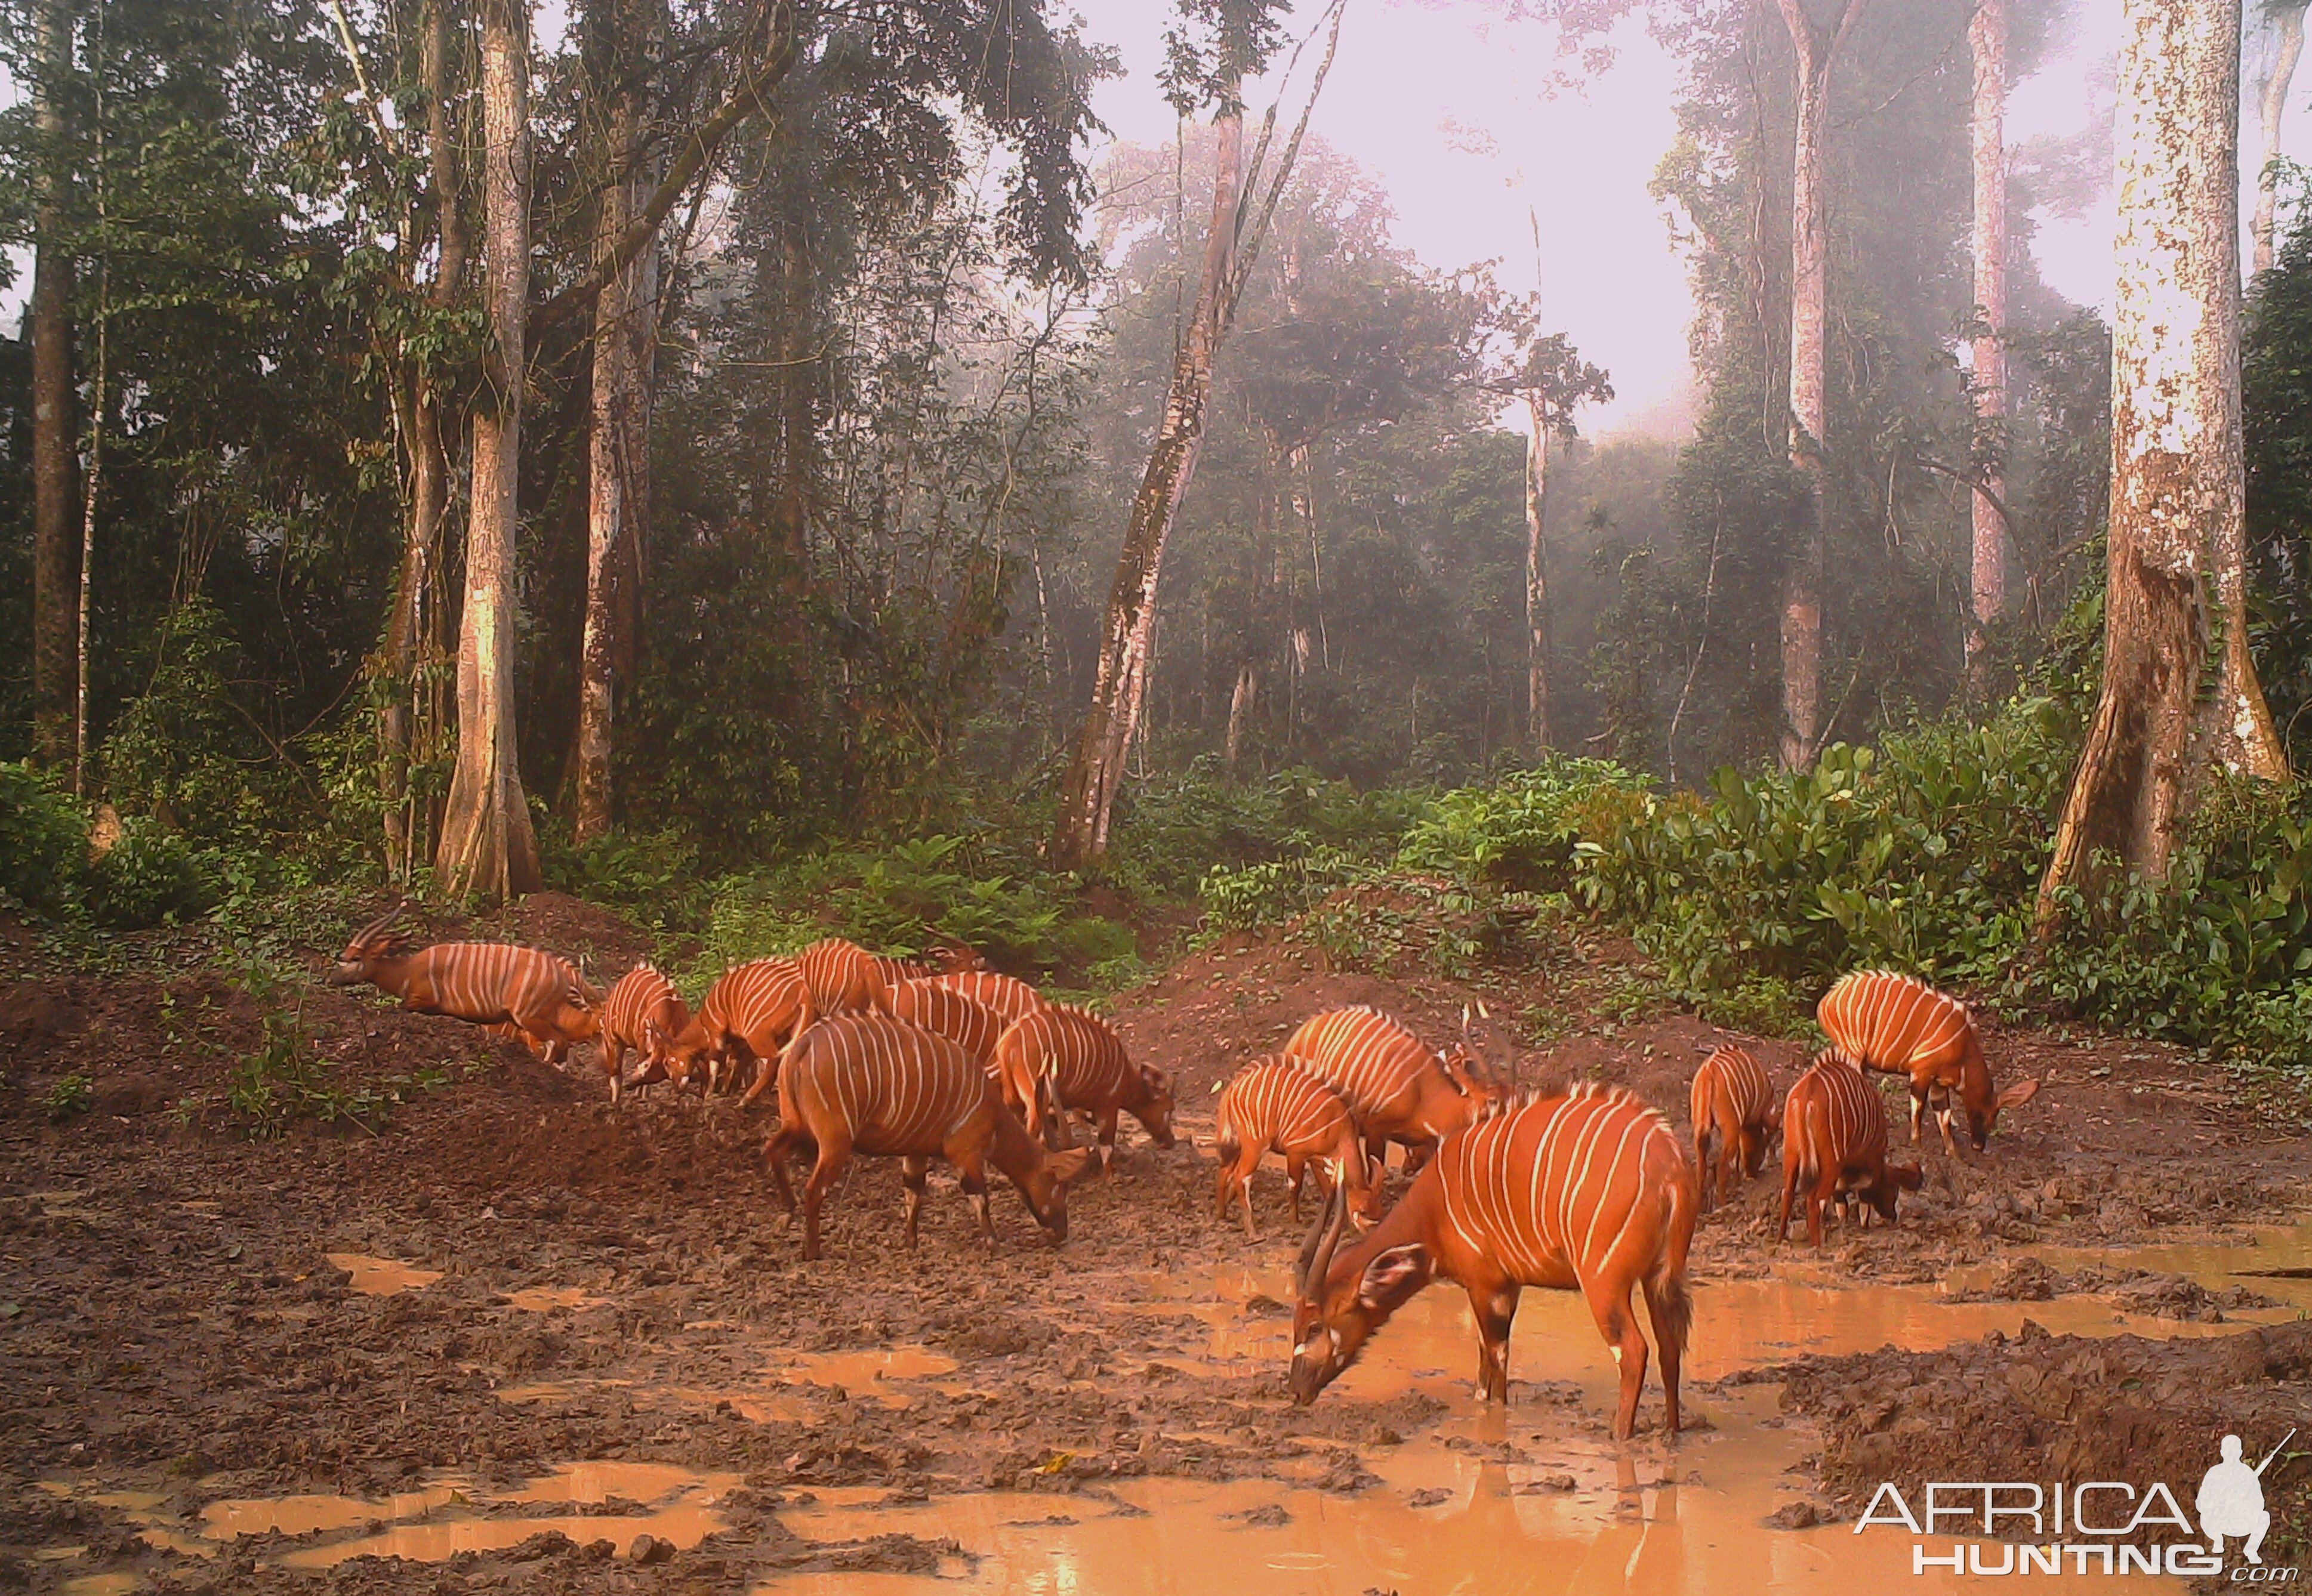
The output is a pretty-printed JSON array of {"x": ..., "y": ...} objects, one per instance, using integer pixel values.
[
  {"x": 905, "y": 898},
  {"x": 653, "y": 873},
  {"x": 1922, "y": 854},
  {"x": 43, "y": 842},
  {"x": 1170, "y": 833},
  {"x": 1250, "y": 897},
  {"x": 71, "y": 1095},
  {"x": 150, "y": 877},
  {"x": 183, "y": 750},
  {"x": 2219, "y": 955},
  {"x": 286, "y": 1080},
  {"x": 1519, "y": 832}
]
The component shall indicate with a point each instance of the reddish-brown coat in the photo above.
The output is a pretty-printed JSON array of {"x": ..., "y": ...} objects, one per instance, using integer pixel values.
[
  {"x": 939, "y": 1008},
  {"x": 1902, "y": 1025},
  {"x": 1589, "y": 1191},
  {"x": 1057, "y": 1058},
  {"x": 869, "y": 1084},
  {"x": 1735, "y": 1116},
  {"x": 1834, "y": 1147},
  {"x": 644, "y": 1013},
  {"x": 540, "y": 996},
  {"x": 1276, "y": 1104},
  {"x": 1400, "y": 1088}
]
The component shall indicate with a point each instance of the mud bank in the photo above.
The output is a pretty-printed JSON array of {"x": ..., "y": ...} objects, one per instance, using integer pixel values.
[{"x": 521, "y": 1341}]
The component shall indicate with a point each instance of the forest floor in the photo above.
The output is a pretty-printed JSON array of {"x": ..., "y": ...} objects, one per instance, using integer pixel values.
[{"x": 525, "y": 1341}]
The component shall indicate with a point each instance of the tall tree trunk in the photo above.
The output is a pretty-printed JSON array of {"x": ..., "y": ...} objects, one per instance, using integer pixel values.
[
  {"x": 1127, "y": 629},
  {"x": 90, "y": 488},
  {"x": 1537, "y": 579},
  {"x": 625, "y": 324},
  {"x": 1801, "y": 617},
  {"x": 412, "y": 627},
  {"x": 2288, "y": 21},
  {"x": 55, "y": 548},
  {"x": 1986, "y": 36},
  {"x": 797, "y": 434},
  {"x": 1089, "y": 795},
  {"x": 487, "y": 850},
  {"x": 2177, "y": 604},
  {"x": 1240, "y": 706}
]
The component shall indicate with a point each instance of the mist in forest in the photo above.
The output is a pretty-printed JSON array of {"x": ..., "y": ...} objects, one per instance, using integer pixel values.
[{"x": 820, "y": 422}]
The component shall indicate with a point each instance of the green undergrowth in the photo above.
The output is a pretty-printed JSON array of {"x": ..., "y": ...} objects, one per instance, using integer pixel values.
[
  {"x": 909, "y": 898},
  {"x": 1743, "y": 899},
  {"x": 1747, "y": 898}
]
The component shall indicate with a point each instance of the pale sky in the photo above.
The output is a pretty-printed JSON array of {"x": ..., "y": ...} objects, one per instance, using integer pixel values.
[{"x": 1449, "y": 108}]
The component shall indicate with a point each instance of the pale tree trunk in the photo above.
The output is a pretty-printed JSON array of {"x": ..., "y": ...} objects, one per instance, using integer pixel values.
[
  {"x": 1240, "y": 706},
  {"x": 55, "y": 550},
  {"x": 1089, "y": 795},
  {"x": 1801, "y": 600},
  {"x": 797, "y": 434},
  {"x": 625, "y": 324},
  {"x": 411, "y": 628},
  {"x": 1127, "y": 629},
  {"x": 1304, "y": 506},
  {"x": 1536, "y": 580},
  {"x": 487, "y": 850},
  {"x": 2288, "y": 21},
  {"x": 1987, "y": 37},
  {"x": 2176, "y": 604}
]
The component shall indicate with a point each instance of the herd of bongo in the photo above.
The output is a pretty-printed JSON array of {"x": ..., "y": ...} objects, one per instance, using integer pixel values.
[
  {"x": 1586, "y": 1189},
  {"x": 912, "y": 1059}
]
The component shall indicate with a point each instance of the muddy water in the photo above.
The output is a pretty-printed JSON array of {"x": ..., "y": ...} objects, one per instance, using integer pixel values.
[
  {"x": 1646, "y": 1519},
  {"x": 100, "y": 1584},
  {"x": 679, "y": 1502},
  {"x": 446, "y": 1517},
  {"x": 383, "y": 1276},
  {"x": 2276, "y": 1260},
  {"x": 867, "y": 1374},
  {"x": 1736, "y": 1325}
]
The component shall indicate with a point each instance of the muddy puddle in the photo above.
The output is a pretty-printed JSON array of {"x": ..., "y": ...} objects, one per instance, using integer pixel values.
[
  {"x": 1738, "y": 1324},
  {"x": 383, "y": 1276},
  {"x": 1534, "y": 1499},
  {"x": 1563, "y": 1516},
  {"x": 870, "y": 1374},
  {"x": 449, "y": 1516},
  {"x": 2275, "y": 1260}
]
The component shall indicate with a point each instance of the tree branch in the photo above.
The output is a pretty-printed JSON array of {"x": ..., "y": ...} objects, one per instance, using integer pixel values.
[{"x": 698, "y": 150}]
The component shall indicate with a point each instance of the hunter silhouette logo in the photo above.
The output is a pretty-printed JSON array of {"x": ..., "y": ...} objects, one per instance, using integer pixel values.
[
  {"x": 2089, "y": 1527},
  {"x": 2230, "y": 1502}
]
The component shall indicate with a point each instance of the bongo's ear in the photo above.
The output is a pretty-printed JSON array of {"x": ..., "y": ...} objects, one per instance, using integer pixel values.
[{"x": 2019, "y": 1094}]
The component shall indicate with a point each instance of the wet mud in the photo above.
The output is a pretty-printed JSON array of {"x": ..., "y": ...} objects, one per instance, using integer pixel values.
[{"x": 519, "y": 1341}]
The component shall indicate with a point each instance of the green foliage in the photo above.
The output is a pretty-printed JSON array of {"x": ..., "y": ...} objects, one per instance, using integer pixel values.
[
  {"x": 1251, "y": 897},
  {"x": 2276, "y": 405},
  {"x": 181, "y": 749},
  {"x": 1172, "y": 833},
  {"x": 43, "y": 842},
  {"x": 1923, "y": 855},
  {"x": 285, "y": 1081},
  {"x": 651, "y": 875},
  {"x": 2219, "y": 955},
  {"x": 1519, "y": 832},
  {"x": 151, "y": 877},
  {"x": 71, "y": 1095},
  {"x": 906, "y": 898}
]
